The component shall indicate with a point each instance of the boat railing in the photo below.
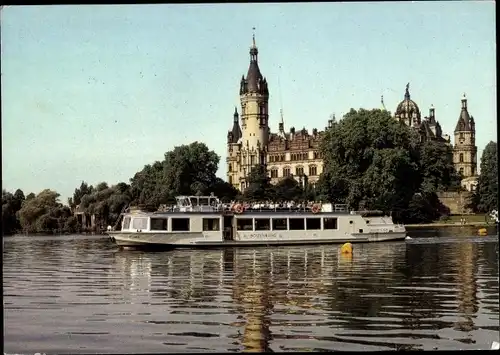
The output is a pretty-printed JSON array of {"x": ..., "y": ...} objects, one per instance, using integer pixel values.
[{"x": 257, "y": 207}]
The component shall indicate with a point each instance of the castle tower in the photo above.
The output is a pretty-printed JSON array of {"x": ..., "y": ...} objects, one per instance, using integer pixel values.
[
  {"x": 254, "y": 97},
  {"x": 233, "y": 150},
  {"x": 408, "y": 111},
  {"x": 465, "y": 149}
]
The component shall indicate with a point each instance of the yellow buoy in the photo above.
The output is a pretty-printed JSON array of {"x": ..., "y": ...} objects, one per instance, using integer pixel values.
[
  {"x": 482, "y": 231},
  {"x": 346, "y": 248}
]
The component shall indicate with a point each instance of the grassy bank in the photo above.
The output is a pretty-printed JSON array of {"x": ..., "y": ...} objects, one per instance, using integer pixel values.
[{"x": 471, "y": 220}]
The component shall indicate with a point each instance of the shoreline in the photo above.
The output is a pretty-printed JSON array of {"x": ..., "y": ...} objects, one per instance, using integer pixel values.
[{"x": 456, "y": 224}]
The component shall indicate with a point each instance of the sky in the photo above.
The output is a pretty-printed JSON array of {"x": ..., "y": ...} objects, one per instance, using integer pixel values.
[{"x": 94, "y": 92}]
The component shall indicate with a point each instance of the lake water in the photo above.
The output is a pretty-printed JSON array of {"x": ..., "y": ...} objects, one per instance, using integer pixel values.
[{"x": 81, "y": 294}]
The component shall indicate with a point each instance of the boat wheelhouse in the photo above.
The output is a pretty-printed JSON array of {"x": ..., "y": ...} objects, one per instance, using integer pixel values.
[{"x": 203, "y": 221}]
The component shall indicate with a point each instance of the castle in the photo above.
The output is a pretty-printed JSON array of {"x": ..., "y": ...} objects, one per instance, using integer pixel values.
[{"x": 296, "y": 153}]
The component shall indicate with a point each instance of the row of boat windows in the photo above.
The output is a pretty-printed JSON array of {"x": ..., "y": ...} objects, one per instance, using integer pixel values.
[
  {"x": 242, "y": 224},
  {"x": 264, "y": 224}
]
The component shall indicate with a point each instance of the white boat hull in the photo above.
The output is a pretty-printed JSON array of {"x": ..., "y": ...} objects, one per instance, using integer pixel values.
[{"x": 196, "y": 240}]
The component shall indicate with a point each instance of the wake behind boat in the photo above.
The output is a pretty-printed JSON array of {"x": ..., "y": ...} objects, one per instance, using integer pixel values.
[{"x": 203, "y": 221}]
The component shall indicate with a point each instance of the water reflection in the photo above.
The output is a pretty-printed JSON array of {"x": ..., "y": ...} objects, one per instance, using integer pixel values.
[{"x": 83, "y": 294}]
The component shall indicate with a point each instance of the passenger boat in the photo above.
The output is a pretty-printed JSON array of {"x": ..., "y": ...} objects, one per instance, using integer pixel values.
[{"x": 203, "y": 221}]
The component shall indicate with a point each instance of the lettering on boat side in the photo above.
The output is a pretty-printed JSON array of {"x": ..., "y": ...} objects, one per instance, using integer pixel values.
[{"x": 264, "y": 235}]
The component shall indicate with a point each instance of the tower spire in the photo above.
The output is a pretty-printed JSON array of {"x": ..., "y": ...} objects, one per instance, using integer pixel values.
[
  {"x": 382, "y": 102},
  {"x": 407, "y": 92},
  {"x": 253, "y": 38}
]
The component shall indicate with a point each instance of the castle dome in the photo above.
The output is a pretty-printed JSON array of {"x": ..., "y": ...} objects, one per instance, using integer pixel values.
[
  {"x": 407, "y": 110},
  {"x": 407, "y": 106}
]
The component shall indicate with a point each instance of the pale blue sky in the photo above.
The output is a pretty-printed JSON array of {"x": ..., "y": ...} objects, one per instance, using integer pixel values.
[{"x": 96, "y": 92}]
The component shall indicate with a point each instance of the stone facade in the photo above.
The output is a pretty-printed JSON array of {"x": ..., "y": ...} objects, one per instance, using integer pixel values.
[
  {"x": 465, "y": 149},
  {"x": 293, "y": 153},
  {"x": 456, "y": 201},
  {"x": 296, "y": 153}
]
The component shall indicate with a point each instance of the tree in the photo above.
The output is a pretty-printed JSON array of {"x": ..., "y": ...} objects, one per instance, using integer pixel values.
[
  {"x": 486, "y": 194},
  {"x": 373, "y": 161},
  {"x": 43, "y": 212},
  {"x": 83, "y": 190},
  {"x": 190, "y": 168},
  {"x": 370, "y": 160},
  {"x": 259, "y": 184},
  {"x": 436, "y": 166},
  {"x": 288, "y": 189},
  {"x": 223, "y": 190}
]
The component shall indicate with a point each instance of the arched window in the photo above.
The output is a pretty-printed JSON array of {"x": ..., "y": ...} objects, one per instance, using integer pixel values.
[
  {"x": 461, "y": 171},
  {"x": 286, "y": 172},
  {"x": 299, "y": 170},
  {"x": 461, "y": 157},
  {"x": 274, "y": 173},
  {"x": 313, "y": 170},
  {"x": 231, "y": 180},
  {"x": 230, "y": 167}
]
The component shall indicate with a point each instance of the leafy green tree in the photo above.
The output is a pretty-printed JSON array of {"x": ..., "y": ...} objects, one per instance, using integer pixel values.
[
  {"x": 288, "y": 189},
  {"x": 83, "y": 190},
  {"x": 190, "y": 168},
  {"x": 259, "y": 185},
  {"x": 370, "y": 161},
  {"x": 486, "y": 194},
  {"x": 223, "y": 190},
  {"x": 43, "y": 213},
  {"x": 436, "y": 166},
  {"x": 373, "y": 161},
  {"x": 10, "y": 205},
  {"x": 30, "y": 196}
]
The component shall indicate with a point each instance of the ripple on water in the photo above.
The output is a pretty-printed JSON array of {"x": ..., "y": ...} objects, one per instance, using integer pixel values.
[{"x": 79, "y": 294}]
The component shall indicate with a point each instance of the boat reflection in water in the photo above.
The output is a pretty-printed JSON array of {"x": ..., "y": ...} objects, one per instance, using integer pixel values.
[{"x": 383, "y": 296}]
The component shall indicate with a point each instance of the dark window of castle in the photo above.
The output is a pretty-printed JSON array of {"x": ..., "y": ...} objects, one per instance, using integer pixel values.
[
  {"x": 280, "y": 224},
  {"x": 461, "y": 157},
  {"x": 180, "y": 224},
  {"x": 299, "y": 171},
  {"x": 296, "y": 224},
  {"x": 461, "y": 171},
  {"x": 274, "y": 173},
  {"x": 313, "y": 170},
  {"x": 286, "y": 172}
]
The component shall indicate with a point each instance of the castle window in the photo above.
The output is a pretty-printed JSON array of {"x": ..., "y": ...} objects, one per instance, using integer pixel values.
[
  {"x": 299, "y": 171},
  {"x": 461, "y": 136},
  {"x": 252, "y": 160},
  {"x": 230, "y": 167},
  {"x": 304, "y": 156},
  {"x": 461, "y": 171},
  {"x": 313, "y": 170},
  {"x": 316, "y": 155},
  {"x": 461, "y": 157},
  {"x": 274, "y": 173},
  {"x": 286, "y": 172},
  {"x": 282, "y": 157},
  {"x": 231, "y": 180}
]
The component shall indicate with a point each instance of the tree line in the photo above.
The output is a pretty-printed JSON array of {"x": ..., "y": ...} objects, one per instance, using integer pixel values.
[{"x": 371, "y": 161}]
